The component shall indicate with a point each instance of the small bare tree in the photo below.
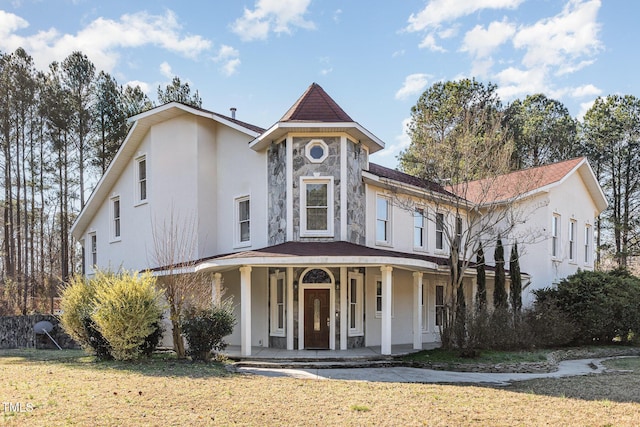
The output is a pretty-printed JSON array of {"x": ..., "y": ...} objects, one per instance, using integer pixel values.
[
  {"x": 175, "y": 241},
  {"x": 459, "y": 142}
]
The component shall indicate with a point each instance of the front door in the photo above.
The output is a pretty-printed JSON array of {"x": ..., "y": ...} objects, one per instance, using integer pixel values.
[{"x": 316, "y": 318}]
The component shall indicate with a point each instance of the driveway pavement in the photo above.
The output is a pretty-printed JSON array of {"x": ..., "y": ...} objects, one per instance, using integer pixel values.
[{"x": 419, "y": 375}]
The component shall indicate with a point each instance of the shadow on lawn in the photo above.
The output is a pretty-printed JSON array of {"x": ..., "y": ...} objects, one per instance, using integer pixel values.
[
  {"x": 619, "y": 383},
  {"x": 160, "y": 365}
]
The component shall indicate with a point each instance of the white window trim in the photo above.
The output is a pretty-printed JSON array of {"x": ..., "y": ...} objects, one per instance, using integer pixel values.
[
  {"x": 93, "y": 250},
  {"x": 555, "y": 236},
  {"x": 444, "y": 234},
  {"x": 358, "y": 330},
  {"x": 424, "y": 306},
  {"x": 588, "y": 237},
  {"x": 304, "y": 180},
  {"x": 137, "y": 192},
  {"x": 274, "y": 330},
  {"x": 316, "y": 143},
  {"x": 238, "y": 243},
  {"x": 389, "y": 237},
  {"x": 112, "y": 218},
  {"x": 436, "y": 305},
  {"x": 378, "y": 279},
  {"x": 425, "y": 234},
  {"x": 572, "y": 241}
]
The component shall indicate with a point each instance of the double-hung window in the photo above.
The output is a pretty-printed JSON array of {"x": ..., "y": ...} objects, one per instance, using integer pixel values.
[
  {"x": 355, "y": 302},
  {"x": 383, "y": 220},
  {"x": 439, "y": 303},
  {"x": 439, "y": 231},
  {"x": 379, "y": 298},
  {"x": 458, "y": 232},
  {"x": 94, "y": 249},
  {"x": 316, "y": 200},
  {"x": 243, "y": 221},
  {"x": 115, "y": 218},
  {"x": 555, "y": 236},
  {"x": 572, "y": 241},
  {"x": 587, "y": 244},
  {"x": 419, "y": 230},
  {"x": 141, "y": 179},
  {"x": 278, "y": 304}
]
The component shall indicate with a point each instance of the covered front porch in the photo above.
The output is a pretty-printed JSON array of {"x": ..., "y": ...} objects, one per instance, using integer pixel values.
[{"x": 331, "y": 300}]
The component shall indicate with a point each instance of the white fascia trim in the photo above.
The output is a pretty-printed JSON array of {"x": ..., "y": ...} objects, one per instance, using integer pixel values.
[{"x": 291, "y": 261}]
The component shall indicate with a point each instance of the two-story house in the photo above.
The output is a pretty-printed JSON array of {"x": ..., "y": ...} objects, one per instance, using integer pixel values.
[{"x": 302, "y": 230}]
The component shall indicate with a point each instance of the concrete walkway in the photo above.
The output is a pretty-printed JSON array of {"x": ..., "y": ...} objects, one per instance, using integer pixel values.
[{"x": 419, "y": 375}]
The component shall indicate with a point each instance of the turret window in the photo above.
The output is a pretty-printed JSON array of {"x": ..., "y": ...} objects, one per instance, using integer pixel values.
[{"x": 316, "y": 151}]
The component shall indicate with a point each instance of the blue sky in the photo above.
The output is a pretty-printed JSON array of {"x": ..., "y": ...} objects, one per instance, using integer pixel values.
[{"x": 373, "y": 57}]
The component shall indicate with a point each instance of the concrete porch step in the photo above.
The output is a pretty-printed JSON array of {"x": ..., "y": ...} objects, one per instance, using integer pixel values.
[{"x": 318, "y": 363}]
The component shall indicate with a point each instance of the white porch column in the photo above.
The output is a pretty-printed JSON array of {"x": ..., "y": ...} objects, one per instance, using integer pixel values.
[
  {"x": 245, "y": 310},
  {"x": 417, "y": 310},
  {"x": 216, "y": 290},
  {"x": 289, "y": 308},
  {"x": 344, "y": 287},
  {"x": 385, "y": 342}
]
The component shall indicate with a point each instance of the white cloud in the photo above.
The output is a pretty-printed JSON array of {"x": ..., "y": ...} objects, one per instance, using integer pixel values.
[
  {"x": 429, "y": 42},
  {"x": 102, "y": 38},
  {"x": 278, "y": 16},
  {"x": 439, "y": 11},
  {"x": 585, "y": 90},
  {"x": 481, "y": 42},
  {"x": 584, "y": 107},
  {"x": 336, "y": 16},
  {"x": 513, "y": 82},
  {"x": 387, "y": 157},
  {"x": 144, "y": 86},
  {"x": 413, "y": 85},
  {"x": 562, "y": 39},
  {"x": 165, "y": 70},
  {"x": 230, "y": 59}
]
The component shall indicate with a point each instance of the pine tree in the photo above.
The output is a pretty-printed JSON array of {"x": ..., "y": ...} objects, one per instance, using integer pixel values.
[
  {"x": 499, "y": 291},
  {"x": 481, "y": 295},
  {"x": 516, "y": 280}
]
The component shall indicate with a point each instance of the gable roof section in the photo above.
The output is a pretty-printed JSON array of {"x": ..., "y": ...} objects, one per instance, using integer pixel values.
[
  {"x": 317, "y": 106},
  {"x": 141, "y": 125},
  {"x": 526, "y": 182},
  {"x": 315, "y": 111},
  {"x": 404, "y": 178}
]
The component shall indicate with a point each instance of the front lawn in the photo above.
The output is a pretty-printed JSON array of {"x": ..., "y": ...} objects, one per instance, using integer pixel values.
[{"x": 68, "y": 388}]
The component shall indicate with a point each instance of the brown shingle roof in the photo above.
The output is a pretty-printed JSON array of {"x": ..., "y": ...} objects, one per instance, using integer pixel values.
[
  {"x": 315, "y": 106},
  {"x": 404, "y": 178},
  {"x": 514, "y": 184},
  {"x": 319, "y": 249}
]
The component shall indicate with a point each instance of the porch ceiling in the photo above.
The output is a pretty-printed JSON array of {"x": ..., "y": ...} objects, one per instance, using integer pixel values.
[{"x": 293, "y": 254}]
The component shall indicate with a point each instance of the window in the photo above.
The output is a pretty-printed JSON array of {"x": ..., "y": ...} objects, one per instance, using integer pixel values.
[
  {"x": 419, "y": 230},
  {"x": 383, "y": 220},
  {"x": 94, "y": 250},
  {"x": 316, "y": 217},
  {"x": 243, "y": 221},
  {"x": 572, "y": 240},
  {"x": 439, "y": 305},
  {"x": 458, "y": 232},
  {"x": 587, "y": 244},
  {"x": 555, "y": 233},
  {"x": 379, "y": 298},
  {"x": 141, "y": 179},
  {"x": 278, "y": 294},
  {"x": 440, "y": 231},
  {"x": 115, "y": 218},
  {"x": 316, "y": 151},
  {"x": 355, "y": 303}
]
